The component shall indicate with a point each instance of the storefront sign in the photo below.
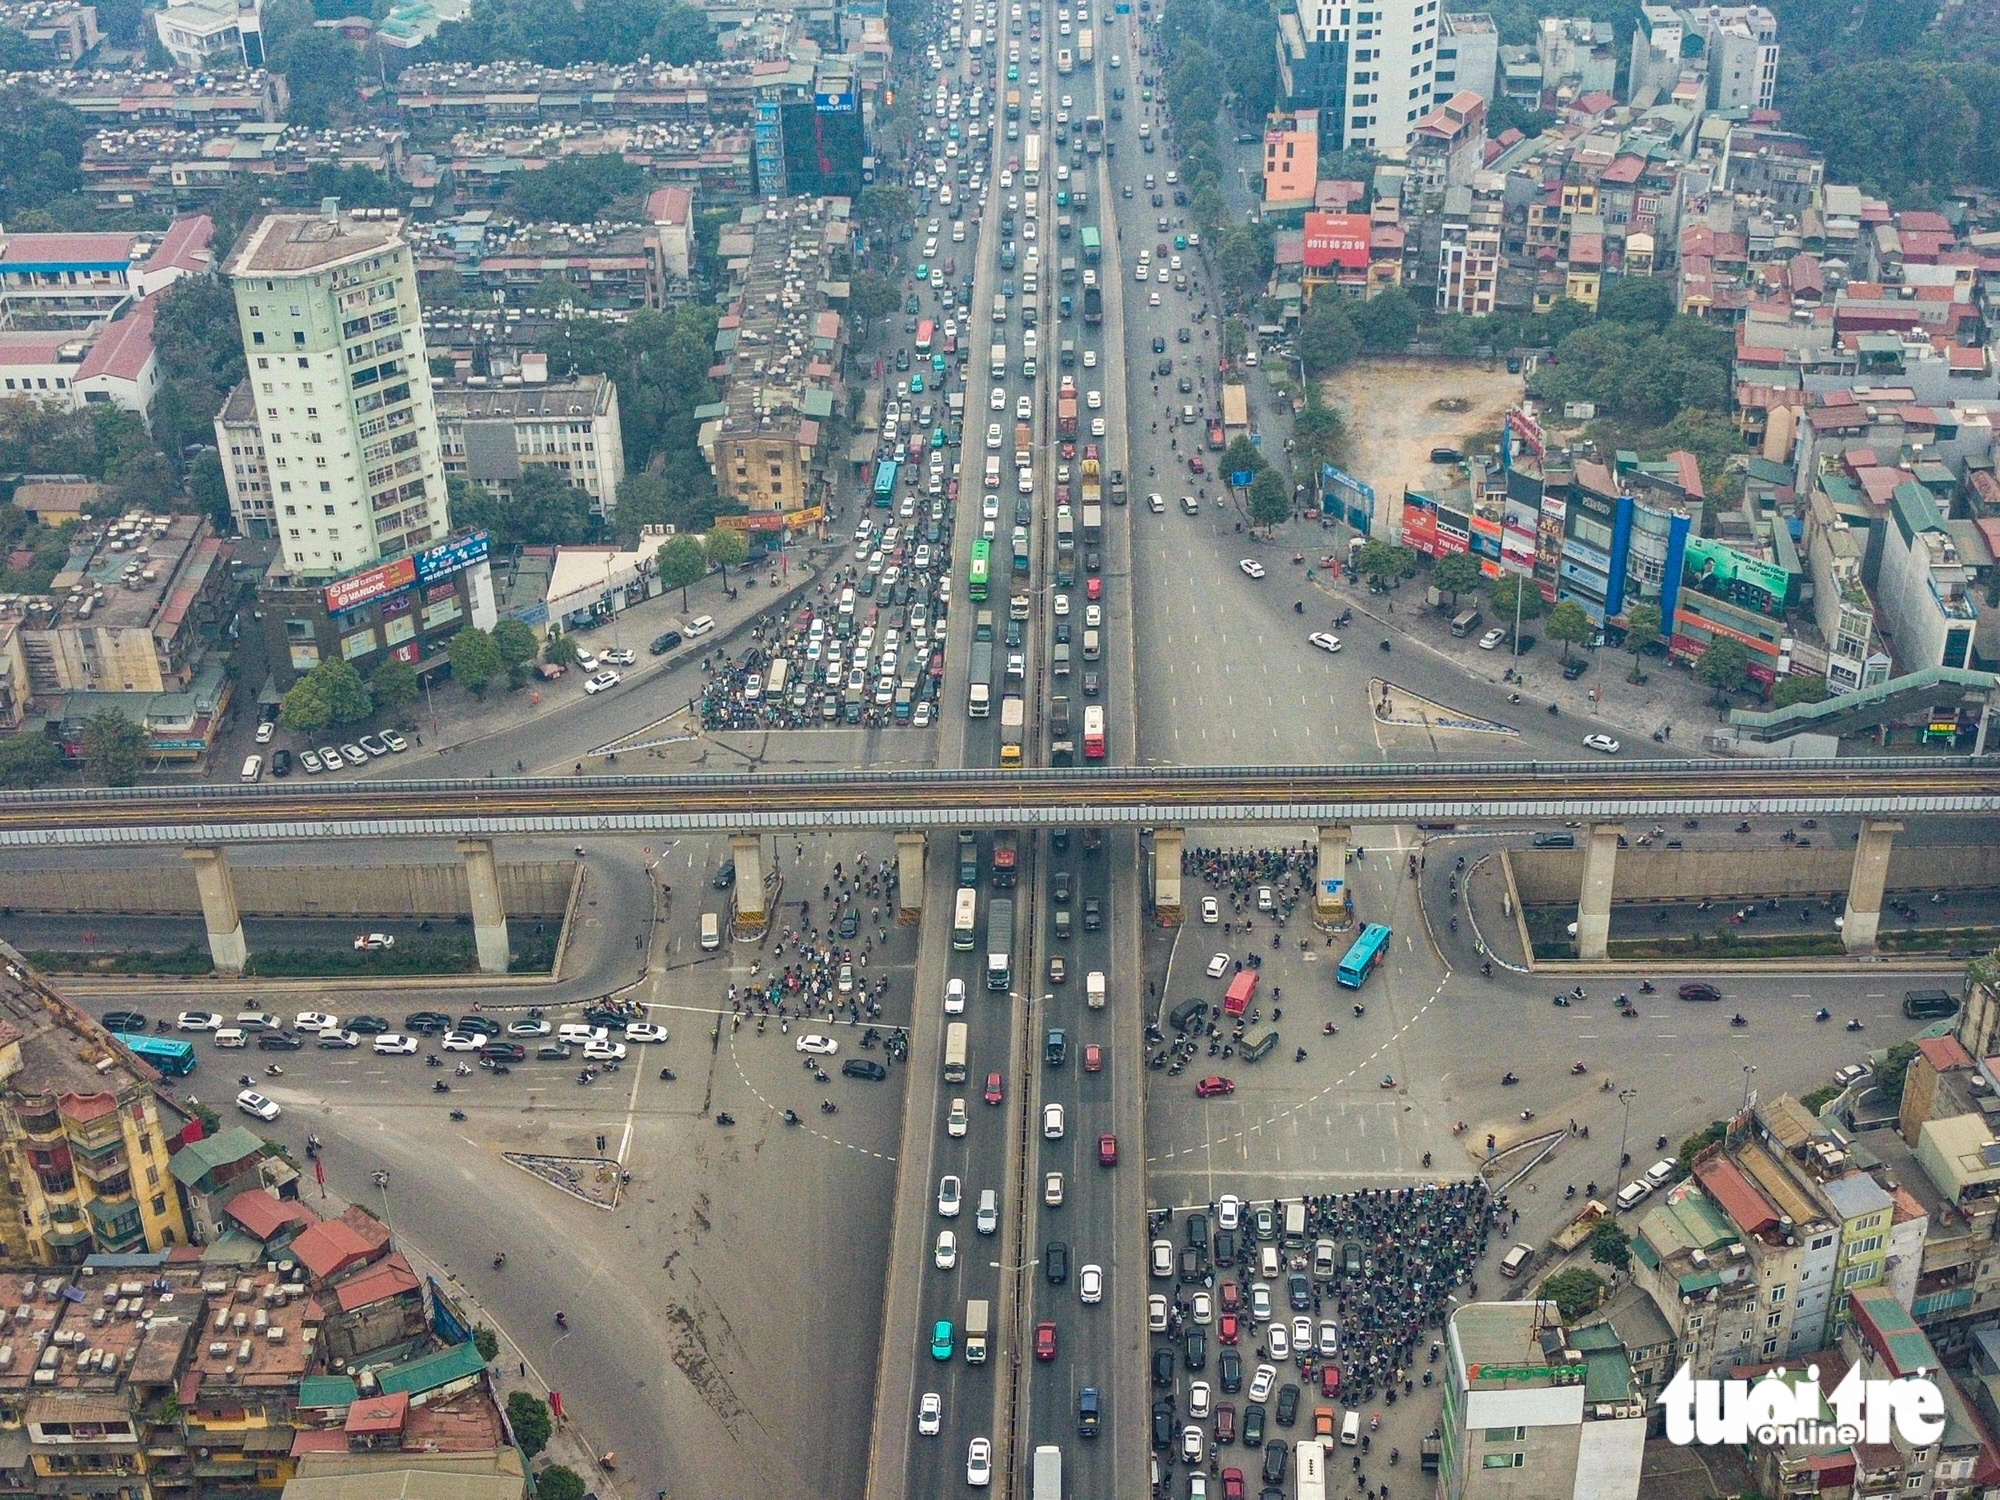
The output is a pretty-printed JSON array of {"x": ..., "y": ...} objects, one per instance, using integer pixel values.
[
  {"x": 452, "y": 557},
  {"x": 370, "y": 584},
  {"x": 358, "y": 644}
]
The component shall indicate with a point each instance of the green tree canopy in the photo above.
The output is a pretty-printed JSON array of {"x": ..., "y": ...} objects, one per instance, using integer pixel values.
[
  {"x": 1510, "y": 589},
  {"x": 28, "y": 760},
  {"x": 475, "y": 660},
  {"x": 681, "y": 563},
  {"x": 545, "y": 510},
  {"x": 1270, "y": 498},
  {"x": 1610, "y": 1245},
  {"x": 1319, "y": 435},
  {"x": 1327, "y": 337},
  {"x": 1570, "y": 625},
  {"x": 562, "y": 651},
  {"x": 41, "y": 152},
  {"x": 528, "y": 1414},
  {"x": 871, "y": 297},
  {"x": 114, "y": 748},
  {"x": 1724, "y": 666},
  {"x": 724, "y": 547},
  {"x": 1381, "y": 562},
  {"x": 515, "y": 642},
  {"x": 1455, "y": 572},
  {"x": 1575, "y": 1292},
  {"x": 576, "y": 189},
  {"x": 1241, "y": 456},
  {"x": 1799, "y": 687},
  {"x": 1642, "y": 631},
  {"x": 1894, "y": 1072},
  {"x": 321, "y": 69},
  {"x": 559, "y": 1482},
  {"x": 394, "y": 685},
  {"x": 1387, "y": 322},
  {"x": 1899, "y": 127},
  {"x": 331, "y": 693}
]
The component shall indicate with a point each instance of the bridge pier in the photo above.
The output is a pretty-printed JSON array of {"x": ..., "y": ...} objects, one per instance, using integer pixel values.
[
  {"x": 1331, "y": 901},
  {"x": 1167, "y": 874},
  {"x": 1863, "y": 918},
  {"x": 747, "y": 850},
  {"x": 1593, "y": 903},
  {"x": 218, "y": 908},
  {"x": 489, "y": 914},
  {"x": 909, "y": 878}
]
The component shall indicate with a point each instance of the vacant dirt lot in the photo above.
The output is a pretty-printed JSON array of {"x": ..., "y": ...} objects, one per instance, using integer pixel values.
[{"x": 1399, "y": 409}]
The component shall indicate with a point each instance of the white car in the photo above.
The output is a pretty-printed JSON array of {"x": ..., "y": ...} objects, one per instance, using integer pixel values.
[
  {"x": 1210, "y": 912},
  {"x": 1851, "y": 1074},
  {"x": 979, "y": 1463},
  {"x": 1052, "y": 1189},
  {"x": 528, "y": 1028},
  {"x": 1163, "y": 1258},
  {"x": 930, "y": 1414},
  {"x": 1251, "y": 568},
  {"x": 847, "y": 970},
  {"x": 1603, "y": 743},
  {"x": 1156, "y": 1312},
  {"x": 1262, "y": 1381},
  {"x": 950, "y": 1197},
  {"x": 314, "y": 1020},
  {"x": 998, "y": 400},
  {"x": 1229, "y": 1212},
  {"x": 993, "y": 435},
  {"x": 817, "y": 1045},
  {"x": 462, "y": 1041},
  {"x": 1024, "y": 409},
  {"x": 1093, "y": 616},
  {"x": 266, "y": 732},
  {"x": 1327, "y": 643},
  {"x": 392, "y": 1045},
  {"x": 1052, "y": 1122},
  {"x": 253, "y": 1103},
  {"x": 198, "y": 1020},
  {"x": 1278, "y": 1339},
  {"x": 619, "y": 656},
  {"x": 1302, "y": 1335},
  {"x": 1094, "y": 400},
  {"x": 645, "y": 1031},
  {"x": 1492, "y": 638},
  {"x": 1329, "y": 1339},
  {"x": 1190, "y": 1444},
  {"x": 1203, "y": 1308},
  {"x": 1061, "y": 606},
  {"x": 957, "y": 1119},
  {"x": 586, "y": 660},
  {"x": 368, "y": 941},
  {"x": 1090, "y": 359},
  {"x": 602, "y": 680},
  {"x": 944, "y": 1254},
  {"x": 333, "y": 1038},
  {"x": 1218, "y": 966},
  {"x": 954, "y": 997},
  {"x": 1090, "y": 1284},
  {"x": 600, "y": 1050},
  {"x": 1156, "y": 503},
  {"x": 1201, "y": 1403},
  {"x": 1152, "y": 299}
]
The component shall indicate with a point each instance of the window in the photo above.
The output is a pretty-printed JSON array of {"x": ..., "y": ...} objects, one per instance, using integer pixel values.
[
  {"x": 1770, "y": 1347},
  {"x": 257, "y": 337},
  {"x": 1777, "y": 1294},
  {"x": 1506, "y": 1434},
  {"x": 1774, "y": 1320},
  {"x": 1504, "y": 1461}
]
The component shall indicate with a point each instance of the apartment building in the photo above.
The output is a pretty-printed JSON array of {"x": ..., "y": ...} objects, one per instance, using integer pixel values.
[
  {"x": 1370, "y": 70},
  {"x": 1291, "y": 161},
  {"x": 60, "y": 30},
  {"x": 332, "y": 331},
  {"x": 1923, "y": 585},
  {"x": 200, "y": 34},
  {"x": 246, "y": 477},
  {"x": 492, "y": 433},
  {"x": 1468, "y": 268},
  {"x": 1448, "y": 146},
  {"x": 1468, "y": 56}
]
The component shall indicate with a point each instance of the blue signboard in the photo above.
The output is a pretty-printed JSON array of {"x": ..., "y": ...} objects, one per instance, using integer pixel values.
[
  {"x": 1240, "y": 479},
  {"x": 1341, "y": 494},
  {"x": 454, "y": 556},
  {"x": 834, "y": 104}
]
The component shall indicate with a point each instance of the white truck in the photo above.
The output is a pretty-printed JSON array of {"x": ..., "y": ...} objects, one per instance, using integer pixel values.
[{"x": 978, "y": 1316}]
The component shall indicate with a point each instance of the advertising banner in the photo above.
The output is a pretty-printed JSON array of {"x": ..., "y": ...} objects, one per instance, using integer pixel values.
[
  {"x": 1724, "y": 573},
  {"x": 1419, "y": 524},
  {"x": 453, "y": 557},
  {"x": 1341, "y": 493},
  {"x": 358, "y": 644},
  {"x": 370, "y": 584},
  {"x": 1336, "y": 240}
]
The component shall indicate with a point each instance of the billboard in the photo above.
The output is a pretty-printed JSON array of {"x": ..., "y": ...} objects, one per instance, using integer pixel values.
[
  {"x": 1336, "y": 241},
  {"x": 369, "y": 584},
  {"x": 1341, "y": 493},
  {"x": 451, "y": 557},
  {"x": 1724, "y": 573}
]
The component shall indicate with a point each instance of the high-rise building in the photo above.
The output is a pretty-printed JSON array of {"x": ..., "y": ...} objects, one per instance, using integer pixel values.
[
  {"x": 327, "y": 305},
  {"x": 1368, "y": 69}
]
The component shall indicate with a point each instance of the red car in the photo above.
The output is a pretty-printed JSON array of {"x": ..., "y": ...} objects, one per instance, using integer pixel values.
[
  {"x": 1045, "y": 1341},
  {"x": 1229, "y": 1328},
  {"x": 1093, "y": 1058},
  {"x": 1231, "y": 1297},
  {"x": 1196, "y": 465},
  {"x": 1107, "y": 1150},
  {"x": 1232, "y": 1484},
  {"x": 1215, "y": 1088},
  {"x": 993, "y": 1092},
  {"x": 1225, "y": 1422},
  {"x": 1093, "y": 588},
  {"x": 1329, "y": 1379}
]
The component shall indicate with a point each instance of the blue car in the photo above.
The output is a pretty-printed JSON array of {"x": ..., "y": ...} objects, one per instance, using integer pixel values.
[{"x": 941, "y": 1342}]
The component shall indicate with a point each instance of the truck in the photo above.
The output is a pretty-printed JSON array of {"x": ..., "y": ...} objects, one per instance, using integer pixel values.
[
  {"x": 968, "y": 857},
  {"x": 1093, "y": 246},
  {"x": 1086, "y": 43},
  {"x": 979, "y": 691},
  {"x": 1013, "y": 715},
  {"x": 1093, "y": 306},
  {"x": 1118, "y": 496},
  {"x": 978, "y": 1324},
  {"x": 1216, "y": 442},
  {"x": 1000, "y": 944},
  {"x": 1577, "y": 1230},
  {"x": 1047, "y": 1474},
  {"x": 1093, "y": 133},
  {"x": 1065, "y": 529},
  {"x": 1091, "y": 478},
  {"x": 996, "y": 362},
  {"x": 1066, "y": 269},
  {"x": 1066, "y": 413},
  {"x": 1006, "y": 858},
  {"x": 1013, "y": 104},
  {"x": 1031, "y": 161},
  {"x": 1093, "y": 523},
  {"x": 1024, "y": 445}
]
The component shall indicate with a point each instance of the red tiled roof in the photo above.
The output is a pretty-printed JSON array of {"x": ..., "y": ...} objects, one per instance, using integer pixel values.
[
  {"x": 1923, "y": 221},
  {"x": 389, "y": 1277},
  {"x": 123, "y": 349},
  {"x": 330, "y": 1247},
  {"x": 1596, "y": 102},
  {"x": 1624, "y": 171},
  {"x": 668, "y": 205},
  {"x": 1746, "y": 1206},
  {"x": 263, "y": 1216},
  {"x": 378, "y": 1415},
  {"x": 1690, "y": 472},
  {"x": 62, "y": 249},
  {"x": 185, "y": 245},
  {"x": 1945, "y": 1053}
]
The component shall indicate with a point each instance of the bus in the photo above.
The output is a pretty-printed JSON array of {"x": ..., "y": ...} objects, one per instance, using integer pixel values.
[
  {"x": 926, "y": 331},
  {"x": 982, "y": 567},
  {"x": 774, "y": 680},
  {"x": 175, "y": 1059},
  {"x": 964, "y": 917},
  {"x": 1368, "y": 951},
  {"x": 885, "y": 483},
  {"x": 1310, "y": 1470},
  {"x": 1093, "y": 733},
  {"x": 1093, "y": 246},
  {"x": 954, "y": 1052}
]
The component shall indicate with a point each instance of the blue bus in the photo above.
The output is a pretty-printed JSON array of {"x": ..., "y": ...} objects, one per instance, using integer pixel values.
[
  {"x": 175, "y": 1059},
  {"x": 1369, "y": 949},
  {"x": 885, "y": 483}
]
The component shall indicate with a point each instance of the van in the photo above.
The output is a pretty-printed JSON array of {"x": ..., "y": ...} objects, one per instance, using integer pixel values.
[
  {"x": 253, "y": 769},
  {"x": 1029, "y": 346},
  {"x": 1927, "y": 1005},
  {"x": 1186, "y": 1013},
  {"x": 993, "y": 471},
  {"x": 230, "y": 1037},
  {"x": 700, "y": 625},
  {"x": 1091, "y": 646},
  {"x": 1093, "y": 989},
  {"x": 1350, "y": 1429},
  {"x": 987, "y": 1220},
  {"x": 1267, "y": 1263},
  {"x": 1511, "y": 1265},
  {"x": 257, "y": 1020},
  {"x": 1059, "y": 659},
  {"x": 1563, "y": 840},
  {"x": 1258, "y": 1044},
  {"x": 1465, "y": 622},
  {"x": 711, "y": 930}
]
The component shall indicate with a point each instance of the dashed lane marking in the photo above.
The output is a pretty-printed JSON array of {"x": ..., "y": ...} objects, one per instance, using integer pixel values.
[{"x": 805, "y": 1121}]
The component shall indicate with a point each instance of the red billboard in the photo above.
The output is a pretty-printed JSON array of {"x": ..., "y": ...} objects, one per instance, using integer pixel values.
[
  {"x": 1336, "y": 240},
  {"x": 371, "y": 583}
]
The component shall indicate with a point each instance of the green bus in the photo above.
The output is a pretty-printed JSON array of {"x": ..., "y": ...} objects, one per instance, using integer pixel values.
[{"x": 982, "y": 567}]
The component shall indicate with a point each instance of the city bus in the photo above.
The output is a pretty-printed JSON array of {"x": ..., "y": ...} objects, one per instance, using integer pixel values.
[
  {"x": 1369, "y": 949},
  {"x": 1093, "y": 733},
  {"x": 885, "y": 483},
  {"x": 926, "y": 331},
  {"x": 982, "y": 567},
  {"x": 1310, "y": 1470},
  {"x": 175, "y": 1059},
  {"x": 964, "y": 917},
  {"x": 954, "y": 1052}
]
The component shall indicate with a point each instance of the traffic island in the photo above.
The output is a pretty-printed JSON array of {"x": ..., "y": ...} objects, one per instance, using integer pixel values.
[
  {"x": 596, "y": 1180},
  {"x": 1404, "y": 719}
]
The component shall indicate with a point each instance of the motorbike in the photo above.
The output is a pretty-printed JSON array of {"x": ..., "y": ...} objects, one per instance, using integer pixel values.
[
  {"x": 432, "y": 1060},
  {"x": 1822, "y": 1014},
  {"x": 1508, "y": 1079},
  {"x": 1645, "y": 986},
  {"x": 667, "y": 1075},
  {"x": 1554, "y": 712},
  {"x": 1298, "y": 606},
  {"x": 1385, "y": 644},
  {"x": 1388, "y": 1081},
  {"x": 1855, "y": 1024},
  {"x": 725, "y": 1119},
  {"x": 499, "y": 1260},
  {"x": 440, "y": 1087},
  {"x": 1486, "y": 968},
  {"x": 272, "y": 1070},
  {"x": 1578, "y": 1067},
  {"x": 1527, "y": 1114},
  {"x": 1561, "y": 1002},
  {"x": 828, "y": 1107},
  {"x": 458, "y": 1114},
  {"x": 1738, "y": 1019},
  {"x": 790, "y": 1117},
  {"x": 1343, "y": 619}
]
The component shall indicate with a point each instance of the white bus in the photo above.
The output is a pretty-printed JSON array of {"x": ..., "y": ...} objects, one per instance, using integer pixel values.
[
  {"x": 1309, "y": 1464},
  {"x": 954, "y": 1052},
  {"x": 774, "y": 683},
  {"x": 964, "y": 918},
  {"x": 1047, "y": 1473}
]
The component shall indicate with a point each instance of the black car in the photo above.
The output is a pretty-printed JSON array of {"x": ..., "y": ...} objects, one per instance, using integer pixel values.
[
  {"x": 1183, "y": 335},
  {"x": 1163, "y": 1366},
  {"x": 505, "y": 1052},
  {"x": 1093, "y": 561},
  {"x": 1197, "y": 1231},
  {"x": 1163, "y": 1424},
  {"x": 1090, "y": 684},
  {"x": 662, "y": 644},
  {"x": 1574, "y": 668},
  {"x": 1059, "y": 840},
  {"x": 1093, "y": 914},
  {"x": 1166, "y": 364},
  {"x": 1012, "y": 634},
  {"x": 124, "y": 1020},
  {"x": 864, "y": 1067},
  {"x": 281, "y": 762},
  {"x": 1253, "y": 1425},
  {"x": 1288, "y": 1405},
  {"x": 1194, "y": 1349},
  {"x": 427, "y": 1022},
  {"x": 1275, "y": 1454},
  {"x": 1524, "y": 644},
  {"x": 850, "y": 923},
  {"x": 370, "y": 1025},
  {"x": 553, "y": 1052},
  {"x": 610, "y": 1020},
  {"x": 1299, "y": 1291},
  {"x": 1055, "y": 1262},
  {"x": 1225, "y": 1247},
  {"x": 279, "y": 1041},
  {"x": 1230, "y": 1364},
  {"x": 477, "y": 1023},
  {"x": 1159, "y": 344},
  {"x": 1060, "y": 887},
  {"x": 726, "y": 876}
]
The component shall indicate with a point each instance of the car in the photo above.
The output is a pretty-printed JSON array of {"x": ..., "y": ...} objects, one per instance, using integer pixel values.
[
  {"x": 369, "y": 1025},
  {"x": 366, "y": 942},
  {"x": 1156, "y": 1312},
  {"x": 1302, "y": 1334},
  {"x": 1698, "y": 989},
  {"x": 1260, "y": 1301},
  {"x": 1327, "y": 643},
  {"x": 1163, "y": 1411},
  {"x": 356, "y": 756},
  {"x": 1229, "y": 1370},
  {"x": 1229, "y": 1329},
  {"x": 930, "y": 1414},
  {"x": 1052, "y": 1189},
  {"x": 1052, "y": 1122},
  {"x": 257, "y": 1106},
  {"x": 314, "y": 1020},
  {"x": 266, "y": 731},
  {"x": 993, "y": 1093},
  {"x": 198, "y": 1020},
  {"x": 311, "y": 761},
  {"x": 280, "y": 1041},
  {"x": 1328, "y": 1342},
  {"x": 1093, "y": 1057},
  {"x": 599, "y": 1049},
  {"x": 373, "y": 744},
  {"x": 338, "y": 1040},
  {"x": 394, "y": 1044},
  {"x": 1215, "y": 1088},
  {"x": 950, "y": 1197},
  {"x": 1211, "y": 912},
  {"x": 1232, "y": 1479},
  {"x": 1851, "y": 1074},
  {"x": 1264, "y": 1379},
  {"x": 1278, "y": 1339},
  {"x": 528, "y": 1028},
  {"x": 1575, "y": 667},
  {"x": 1492, "y": 638},
  {"x": 987, "y": 1220},
  {"x": 431, "y": 1022},
  {"x": 1090, "y": 1284},
  {"x": 483, "y": 1025},
  {"x": 1251, "y": 568},
  {"x": 1159, "y": 344},
  {"x": 1107, "y": 1150},
  {"x": 587, "y": 660},
  {"x": 598, "y": 682},
  {"x": 663, "y": 643},
  {"x": 978, "y": 1461},
  {"x": 819, "y": 1046},
  {"x": 1229, "y": 1212},
  {"x": 865, "y": 1068},
  {"x": 281, "y": 763},
  {"x": 1288, "y": 1405},
  {"x": 396, "y": 743},
  {"x": 1202, "y": 1308},
  {"x": 1603, "y": 743},
  {"x": 462, "y": 1041},
  {"x": 1058, "y": 969},
  {"x": 1045, "y": 1341},
  {"x": 644, "y": 1031},
  {"x": 1276, "y": 1454},
  {"x": 1162, "y": 1261},
  {"x": 944, "y": 1254},
  {"x": 330, "y": 758},
  {"x": 1298, "y": 1289},
  {"x": 1191, "y": 1441},
  {"x": 941, "y": 1339}
]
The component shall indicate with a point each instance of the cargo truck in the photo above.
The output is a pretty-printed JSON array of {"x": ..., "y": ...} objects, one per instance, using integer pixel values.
[
  {"x": 999, "y": 944},
  {"x": 1024, "y": 445},
  {"x": 1006, "y": 858},
  {"x": 1093, "y": 523},
  {"x": 1085, "y": 44},
  {"x": 1048, "y": 1480},
  {"x": 1093, "y": 305},
  {"x": 978, "y": 1323},
  {"x": 1090, "y": 480},
  {"x": 968, "y": 857},
  {"x": 1013, "y": 104},
  {"x": 1066, "y": 414},
  {"x": 1013, "y": 716},
  {"x": 1118, "y": 496},
  {"x": 996, "y": 362},
  {"x": 979, "y": 693},
  {"x": 1058, "y": 717},
  {"x": 1577, "y": 1230}
]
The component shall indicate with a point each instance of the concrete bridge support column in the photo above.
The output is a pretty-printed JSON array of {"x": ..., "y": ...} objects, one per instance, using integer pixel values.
[
  {"x": 910, "y": 877},
  {"x": 1330, "y": 897},
  {"x": 1864, "y": 887},
  {"x": 218, "y": 908},
  {"x": 1593, "y": 904},
  {"x": 747, "y": 850},
  {"x": 489, "y": 916},
  {"x": 1167, "y": 874}
]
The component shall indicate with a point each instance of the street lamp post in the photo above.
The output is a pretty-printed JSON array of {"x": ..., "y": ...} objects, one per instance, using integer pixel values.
[
  {"x": 1625, "y": 1097},
  {"x": 1749, "y": 1071}
]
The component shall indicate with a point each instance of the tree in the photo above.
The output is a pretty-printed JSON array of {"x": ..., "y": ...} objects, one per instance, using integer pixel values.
[
  {"x": 486, "y": 1341},
  {"x": 1799, "y": 687},
  {"x": 515, "y": 642},
  {"x": 1319, "y": 435},
  {"x": 871, "y": 297},
  {"x": 546, "y": 509},
  {"x": 723, "y": 546},
  {"x": 1386, "y": 323},
  {"x": 1455, "y": 571},
  {"x": 576, "y": 189},
  {"x": 685, "y": 35},
  {"x": 394, "y": 685},
  {"x": 1895, "y": 1072},
  {"x": 562, "y": 651},
  {"x": 1570, "y": 625},
  {"x": 681, "y": 562},
  {"x": 1724, "y": 666},
  {"x": 1574, "y": 1292},
  {"x": 1327, "y": 338},
  {"x": 320, "y": 68},
  {"x": 1900, "y": 128},
  {"x": 1382, "y": 564},
  {"x": 475, "y": 660},
  {"x": 1642, "y": 630},
  {"x": 1270, "y": 498},
  {"x": 28, "y": 760},
  {"x": 558, "y": 1482},
  {"x": 348, "y": 700},
  {"x": 1697, "y": 1143},
  {"x": 882, "y": 206},
  {"x": 114, "y": 748},
  {"x": 305, "y": 709},
  {"x": 528, "y": 1415},
  {"x": 210, "y": 493},
  {"x": 1512, "y": 590},
  {"x": 1610, "y": 1245},
  {"x": 41, "y": 152}
]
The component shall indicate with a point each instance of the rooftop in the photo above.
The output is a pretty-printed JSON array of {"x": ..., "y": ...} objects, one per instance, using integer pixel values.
[
  {"x": 587, "y": 395},
  {"x": 294, "y": 244}
]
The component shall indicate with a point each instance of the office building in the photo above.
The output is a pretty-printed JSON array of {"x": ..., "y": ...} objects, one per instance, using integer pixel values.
[
  {"x": 201, "y": 34},
  {"x": 1468, "y": 56},
  {"x": 1370, "y": 71},
  {"x": 492, "y": 433},
  {"x": 1923, "y": 585},
  {"x": 327, "y": 305},
  {"x": 1291, "y": 162}
]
